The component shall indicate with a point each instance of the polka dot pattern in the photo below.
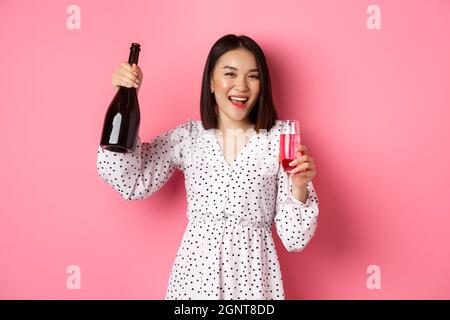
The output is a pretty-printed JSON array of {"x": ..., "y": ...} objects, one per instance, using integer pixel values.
[{"x": 227, "y": 250}]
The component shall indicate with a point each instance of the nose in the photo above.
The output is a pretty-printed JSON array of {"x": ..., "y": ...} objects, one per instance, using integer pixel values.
[{"x": 241, "y": 84}]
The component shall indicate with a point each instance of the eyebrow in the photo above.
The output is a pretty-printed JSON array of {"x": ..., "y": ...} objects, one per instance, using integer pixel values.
[{"x": 233, "y": 68}]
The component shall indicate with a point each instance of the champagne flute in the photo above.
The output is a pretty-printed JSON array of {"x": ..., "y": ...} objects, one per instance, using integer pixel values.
[{"x": 289, "y": 141}]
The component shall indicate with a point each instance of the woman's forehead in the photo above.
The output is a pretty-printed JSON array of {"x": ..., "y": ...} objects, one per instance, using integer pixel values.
[{"x": 239, "y": 59}]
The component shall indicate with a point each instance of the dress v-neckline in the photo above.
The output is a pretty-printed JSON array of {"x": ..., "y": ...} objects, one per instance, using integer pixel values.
[{"x": 222, "y": 155}]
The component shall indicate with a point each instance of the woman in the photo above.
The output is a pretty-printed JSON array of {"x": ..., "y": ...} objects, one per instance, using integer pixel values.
[{"x": 234, "y": 193}]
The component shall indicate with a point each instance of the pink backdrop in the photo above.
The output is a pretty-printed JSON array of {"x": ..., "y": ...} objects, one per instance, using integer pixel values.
[{"x": 373, "y": 106}]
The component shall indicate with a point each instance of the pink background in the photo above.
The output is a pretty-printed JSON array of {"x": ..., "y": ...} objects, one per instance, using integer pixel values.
[{"x": 373, "y": 106}]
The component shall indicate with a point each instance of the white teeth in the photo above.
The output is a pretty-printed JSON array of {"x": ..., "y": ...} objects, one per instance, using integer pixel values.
[{"x": 238, "y": 99}]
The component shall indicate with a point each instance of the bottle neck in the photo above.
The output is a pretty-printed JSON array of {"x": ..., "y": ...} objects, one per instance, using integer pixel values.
[{"x": 134, "y": 54}]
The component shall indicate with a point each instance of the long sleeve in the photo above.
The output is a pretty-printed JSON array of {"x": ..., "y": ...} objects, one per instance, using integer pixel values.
[
  {"x": 295, "y": 221},
  {"x": 140, "y": 174}
]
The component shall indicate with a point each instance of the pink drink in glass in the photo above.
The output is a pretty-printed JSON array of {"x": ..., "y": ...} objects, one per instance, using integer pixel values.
[{"x": 289, "y": 141}]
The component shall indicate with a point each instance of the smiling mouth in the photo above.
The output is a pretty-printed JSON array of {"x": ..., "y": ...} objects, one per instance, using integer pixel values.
[{"x": 239, "y": 102}]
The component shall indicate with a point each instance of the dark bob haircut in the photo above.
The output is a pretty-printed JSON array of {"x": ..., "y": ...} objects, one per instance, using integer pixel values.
[{"x": 263, "y": 114}]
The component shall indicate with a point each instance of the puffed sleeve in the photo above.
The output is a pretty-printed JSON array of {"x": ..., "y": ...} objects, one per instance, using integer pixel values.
[
  {"x": 295, "y": 221},
  {"x": 140, "y": 174}
]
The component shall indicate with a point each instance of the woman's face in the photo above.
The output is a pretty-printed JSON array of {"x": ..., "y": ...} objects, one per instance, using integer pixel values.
[{"x": 236, "y": 84}]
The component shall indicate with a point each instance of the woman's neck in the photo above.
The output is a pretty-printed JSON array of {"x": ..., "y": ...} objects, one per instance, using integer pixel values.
[{"x": 228, "y": 124}]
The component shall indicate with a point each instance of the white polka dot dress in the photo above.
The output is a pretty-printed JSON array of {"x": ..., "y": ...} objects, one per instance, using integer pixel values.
[{"x": 227, "y": 250}]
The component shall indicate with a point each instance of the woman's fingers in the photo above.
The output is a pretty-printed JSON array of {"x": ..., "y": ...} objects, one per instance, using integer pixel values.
[
  {"x": 129, "y": 76},
  {"x": 124, "y": 77},
  {"x": 304, "y": 164},
  {"x": 139, "y": 72},
  {"x": 302, "y": 167},
  {"x": 304, "y": 158},
  {"x": 125, "y": 65},
  {"x": 125, "y": 82},
  {"x": 303, "y": 149}
]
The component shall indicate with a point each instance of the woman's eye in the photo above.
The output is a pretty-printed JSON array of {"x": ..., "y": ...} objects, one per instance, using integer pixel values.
[{"x": 254, "y": 76}]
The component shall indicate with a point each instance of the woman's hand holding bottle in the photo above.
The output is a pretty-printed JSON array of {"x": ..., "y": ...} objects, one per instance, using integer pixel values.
[{"x": 128, "y": 76}]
